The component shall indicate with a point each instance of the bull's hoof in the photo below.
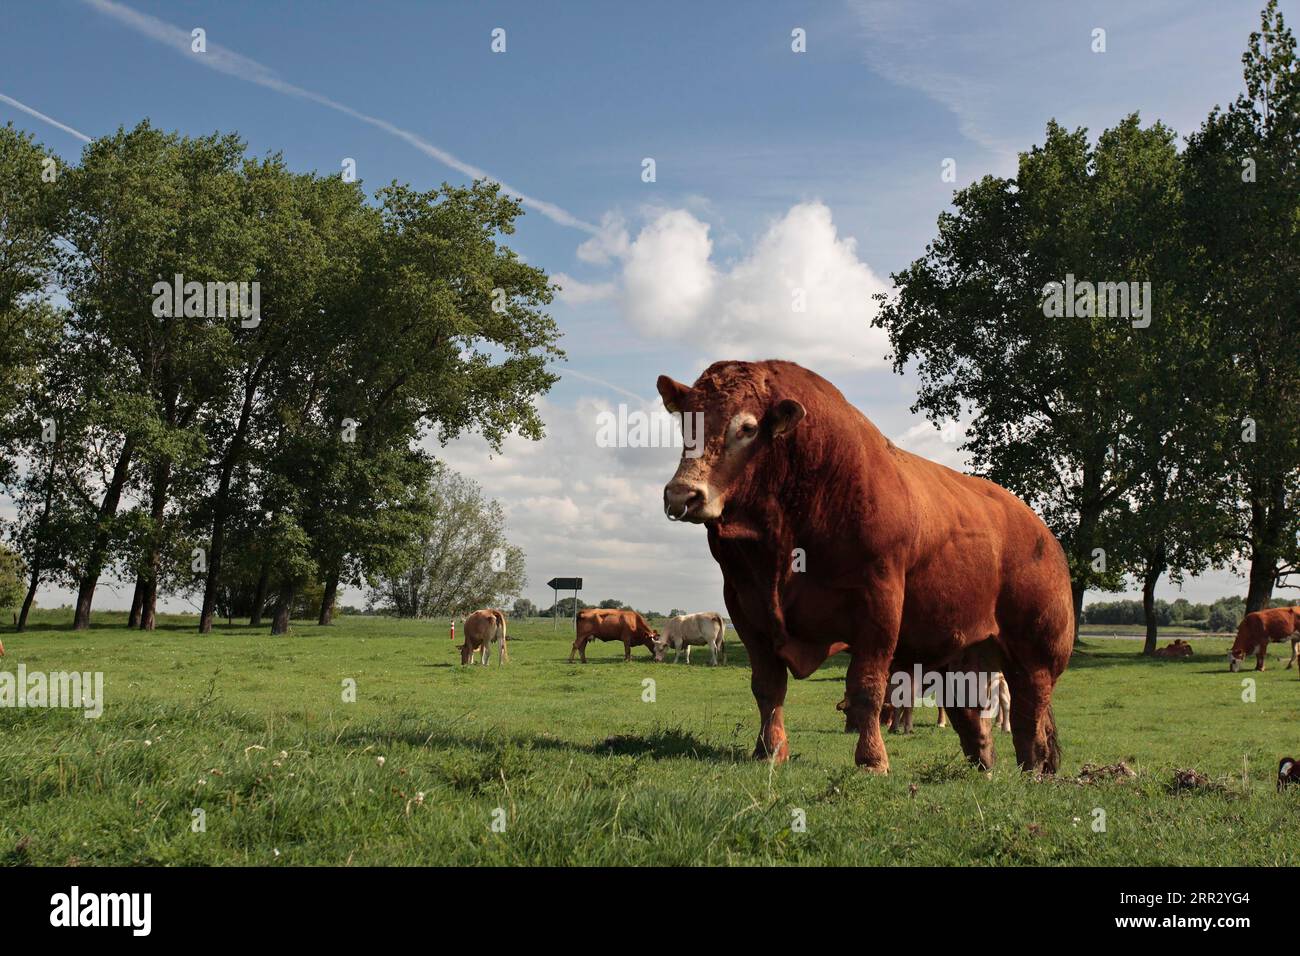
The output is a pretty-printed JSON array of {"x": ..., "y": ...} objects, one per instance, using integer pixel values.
[
  {"x": 880, "y": 768},
  {"x": 761, "y": 752}
]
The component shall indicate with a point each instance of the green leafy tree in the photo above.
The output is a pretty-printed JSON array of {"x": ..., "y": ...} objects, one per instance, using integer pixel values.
[
  {"x": 1055, "y": 399},
  {"x": 1243, "y": 193},
  {"x": 464, "y": 561}
]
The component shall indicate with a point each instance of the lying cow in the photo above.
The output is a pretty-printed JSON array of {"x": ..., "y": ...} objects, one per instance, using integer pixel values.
[
  {"x": 613, "y": 624},
  {"x": 1179, "y": 648},
  {"x": 901, "y": 559},
  {"x": 1258, "y": 629},
  {"x": 693, "y": 630},
  {"x": 481, "y": 629}
]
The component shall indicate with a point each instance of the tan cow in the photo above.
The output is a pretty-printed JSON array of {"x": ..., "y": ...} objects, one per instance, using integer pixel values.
[
  {"x": 481, "y": 629},
  {"x": 700, "y": 630},
  {"x": 1261, "y": 628},
  {"x": 905, "y": 561},
  {"x": 612, "y": 624}
]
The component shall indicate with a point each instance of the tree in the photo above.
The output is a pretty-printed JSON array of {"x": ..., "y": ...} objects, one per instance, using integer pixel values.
[
  {"x": 11, "y": 578},
  {"x": 464, "y": 561},
  {"x": 1243, "y": 189},
  {"x": 523, "y": 608},
  {"x": 1055, "y": 398}
]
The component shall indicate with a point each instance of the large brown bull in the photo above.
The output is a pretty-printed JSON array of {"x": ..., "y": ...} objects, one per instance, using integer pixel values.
[
  {"x": 613, "y": 624},
  {"x": 481, "y": 629},
  {"x": 1261, "y": 628},
  {"x": 831, "y": 538}
]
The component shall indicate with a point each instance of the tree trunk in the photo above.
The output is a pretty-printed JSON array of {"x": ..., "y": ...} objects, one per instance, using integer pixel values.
[
  {"x": 1149, "y": 609},
  {"x": 99, "y": 549},
  {"x": 259, "y": 596},
  {"x": 283, "y": 607},
  {"x": 157, "y": 512},
  {"x": 30, "y": 599},
  {"x": 221, "y": 504},
  {"x": 1267, "y": 513},
  {"x": 137, "y": 602},
  {"x": 327, "y": 601}
]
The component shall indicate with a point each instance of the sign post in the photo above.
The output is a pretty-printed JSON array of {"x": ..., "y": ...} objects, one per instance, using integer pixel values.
[{"x": 563, "y": 584}]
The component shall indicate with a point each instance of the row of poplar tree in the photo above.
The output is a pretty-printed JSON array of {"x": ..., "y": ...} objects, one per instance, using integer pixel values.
[{"x": 232, "y": 459}]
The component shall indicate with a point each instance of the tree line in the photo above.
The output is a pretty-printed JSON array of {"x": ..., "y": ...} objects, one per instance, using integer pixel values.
[
  {"x": 1122, "y": 320},
  {"x": 219, "y": 378}
]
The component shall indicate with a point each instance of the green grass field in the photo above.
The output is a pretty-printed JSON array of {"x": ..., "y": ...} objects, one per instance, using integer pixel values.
[{"x": 578, "y": 769}]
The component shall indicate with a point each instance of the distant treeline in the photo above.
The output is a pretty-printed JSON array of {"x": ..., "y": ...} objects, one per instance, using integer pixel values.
[{"x": 1222, "y": 615}]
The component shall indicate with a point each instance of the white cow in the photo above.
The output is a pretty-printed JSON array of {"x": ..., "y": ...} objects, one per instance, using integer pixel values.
[{"x": 703, "y": 630}]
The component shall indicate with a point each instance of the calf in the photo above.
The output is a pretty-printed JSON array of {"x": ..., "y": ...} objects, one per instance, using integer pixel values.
[
  {"x": 1258, "y": 629},
  {"x": 1179, "y": 648},
  {"x": 700, "y": 630},
  {"x": 481, "y": 629}
]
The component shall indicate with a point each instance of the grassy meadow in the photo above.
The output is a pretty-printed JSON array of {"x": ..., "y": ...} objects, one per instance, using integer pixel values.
[{"x": 548, "y": 763}]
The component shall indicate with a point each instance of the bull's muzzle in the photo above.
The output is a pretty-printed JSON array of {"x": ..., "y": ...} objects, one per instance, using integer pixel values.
[{"x": 683, "y": 499}]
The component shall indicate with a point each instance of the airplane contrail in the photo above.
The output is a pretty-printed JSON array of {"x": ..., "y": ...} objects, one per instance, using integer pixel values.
[
  {"x": 43, "y": 118},
  {"x": 235, "y": 64}
]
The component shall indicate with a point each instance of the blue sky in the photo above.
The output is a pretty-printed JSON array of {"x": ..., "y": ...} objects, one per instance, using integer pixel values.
[{"x": 823, "y": 165}]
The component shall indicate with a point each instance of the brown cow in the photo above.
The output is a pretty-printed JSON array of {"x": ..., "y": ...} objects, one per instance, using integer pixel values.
[
  {"x": 1179, "y": 648},
  {"x": 481, "y": 629},
  {"x": 1258, "y": 629},
  {"x": 906, "y": 561},
  {"x": 613, "y": 624}
]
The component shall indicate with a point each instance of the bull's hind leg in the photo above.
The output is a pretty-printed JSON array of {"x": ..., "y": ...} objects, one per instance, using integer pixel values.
[
  {"x": 1295, "y": 649},
  {"x": 974, "y": 733},
  {"x": 1033, "y": 727}
]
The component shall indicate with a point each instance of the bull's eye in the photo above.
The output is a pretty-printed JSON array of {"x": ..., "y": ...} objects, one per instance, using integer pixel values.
[{"x": 747, "y": 430}]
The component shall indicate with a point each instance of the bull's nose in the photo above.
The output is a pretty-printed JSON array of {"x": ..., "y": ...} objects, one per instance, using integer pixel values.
[{"x": 680, "y": 497}]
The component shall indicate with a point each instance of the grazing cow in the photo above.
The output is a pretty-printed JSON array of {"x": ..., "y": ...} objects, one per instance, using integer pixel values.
[
  {"x": 2, "y": 648},
  {"x": 686, "y": 630},
  {"x": 1288, "y": 772},
  {"x": 613, "y": 624},
  {"x": 831, "y": 538},
  {"x": 1179, "y": 648},
  {"x": 1258, "y": 629},
  {"x": 481, "y": 629}
]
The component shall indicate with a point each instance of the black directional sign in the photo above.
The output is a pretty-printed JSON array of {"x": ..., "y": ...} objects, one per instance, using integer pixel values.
[{"x": 565, "y": 584}]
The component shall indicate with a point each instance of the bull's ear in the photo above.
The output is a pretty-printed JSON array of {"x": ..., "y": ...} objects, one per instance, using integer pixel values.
[
  {"x": 786, "y": 415},
  {"x": 673, "y": 393}
]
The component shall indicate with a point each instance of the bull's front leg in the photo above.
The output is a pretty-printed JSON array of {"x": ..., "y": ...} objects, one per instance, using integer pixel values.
[
  {"x": 1259, "y": 658},
  {"x": 867, "y": 681},
  {"x": 768, "y": 679},
  {"x": 1295, "y": 652}
]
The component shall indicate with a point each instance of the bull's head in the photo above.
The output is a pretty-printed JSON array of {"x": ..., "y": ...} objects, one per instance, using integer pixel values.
[
  {"x": 1235, "y": 657},
  {"x": 733, "y": 422}
]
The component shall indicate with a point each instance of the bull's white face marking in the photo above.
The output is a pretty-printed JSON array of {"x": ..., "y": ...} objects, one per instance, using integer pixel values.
[
  {"x": 741, "y": 431},
  {"x": 1286, "y": 768}
]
